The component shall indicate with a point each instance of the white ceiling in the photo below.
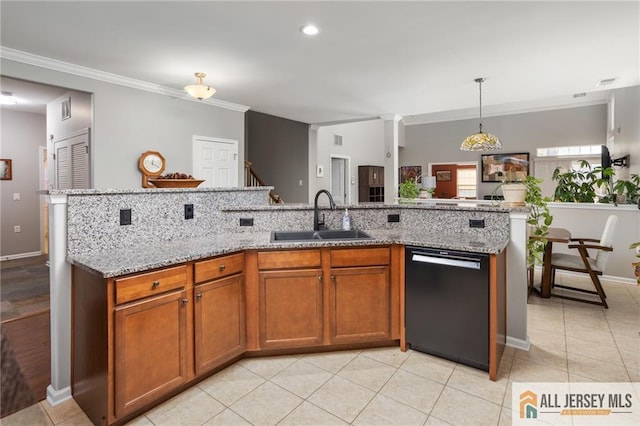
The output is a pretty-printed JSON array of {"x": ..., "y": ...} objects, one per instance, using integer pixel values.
[{"x": 414, "y": 59}]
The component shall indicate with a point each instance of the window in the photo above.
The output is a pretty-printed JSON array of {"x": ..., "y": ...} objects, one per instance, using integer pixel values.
[
  {"x": 467, "y": 182},
  {"x": 570, "y": 151}
]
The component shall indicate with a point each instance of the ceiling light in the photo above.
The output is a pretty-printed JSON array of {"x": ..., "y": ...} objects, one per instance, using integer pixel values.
[
  {"x": 200, "y": 90},
  {"x": 309, "y": 29},
  {"x": 480, "y": 141},
  {"x": 7, "y": 98}
]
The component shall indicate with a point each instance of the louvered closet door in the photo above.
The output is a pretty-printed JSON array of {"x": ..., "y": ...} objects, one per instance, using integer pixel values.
[{"x": 72, "y": 162}]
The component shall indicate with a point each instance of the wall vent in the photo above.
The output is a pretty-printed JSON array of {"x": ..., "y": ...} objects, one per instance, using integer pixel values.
[
  {"x": 606, "y": 82},
  {"x": 337, "y": 140}
]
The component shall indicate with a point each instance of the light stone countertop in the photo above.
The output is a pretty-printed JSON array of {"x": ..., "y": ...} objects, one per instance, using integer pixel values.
[{"x": 142, "y": 258}]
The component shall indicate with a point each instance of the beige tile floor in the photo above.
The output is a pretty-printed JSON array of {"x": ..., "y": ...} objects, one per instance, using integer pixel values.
[{"x": 571, "y": 341}]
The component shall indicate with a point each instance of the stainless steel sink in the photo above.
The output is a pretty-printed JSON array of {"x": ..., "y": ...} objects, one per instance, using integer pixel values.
[{"x": 328, "y": 234}]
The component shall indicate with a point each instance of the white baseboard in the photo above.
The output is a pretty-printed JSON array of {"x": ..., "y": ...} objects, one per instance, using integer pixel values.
[
  {"x": 519, "y": 343},
  {"x": 610, "y": 278},
  {"x": 55, "y": 397},
  {"x": 21, "y": 255}
]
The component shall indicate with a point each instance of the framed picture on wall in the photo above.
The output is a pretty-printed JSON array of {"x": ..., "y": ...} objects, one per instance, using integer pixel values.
[
  {"x": 505, "y": 167},
  {"x": 5, "y": 169},
  {"x": 410, "y": 172},
  {"x": 443, "y": 175}
]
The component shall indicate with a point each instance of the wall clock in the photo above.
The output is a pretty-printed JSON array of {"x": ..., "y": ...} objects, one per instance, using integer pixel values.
[{"x": 151, "y": 165}]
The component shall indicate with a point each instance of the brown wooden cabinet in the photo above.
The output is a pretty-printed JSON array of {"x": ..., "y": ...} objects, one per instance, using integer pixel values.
[
  {"x": 290, "y": 298},
  {"x": 371, "y": 184},
  {"x": 138, "y": 338},
  {"x": 360, "y": 295},
  {"x": 150, "y": 350},
  {"x": 219, "y": 316}
]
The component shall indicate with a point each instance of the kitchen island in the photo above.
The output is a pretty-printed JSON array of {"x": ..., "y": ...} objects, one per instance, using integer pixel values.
[{"x": 122, "y": 291}]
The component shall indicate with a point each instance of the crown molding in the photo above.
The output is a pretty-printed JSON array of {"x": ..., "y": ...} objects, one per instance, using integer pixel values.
[{"x": 68, "y": 68}]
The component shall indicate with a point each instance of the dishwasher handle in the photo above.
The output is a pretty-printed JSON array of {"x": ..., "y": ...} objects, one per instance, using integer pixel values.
[{"x": 455, "y": 261}]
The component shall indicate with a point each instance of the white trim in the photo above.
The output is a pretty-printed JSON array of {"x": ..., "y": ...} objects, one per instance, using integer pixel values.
[
  {"x": 609, "y": 278},
  {"x": 21, "y": 255},
  {"x": 519, "y": 343},
  {"x": 594, "y": 206},
  {"x": 66, "y": 67},
  {"x": 55, "y": 397}
]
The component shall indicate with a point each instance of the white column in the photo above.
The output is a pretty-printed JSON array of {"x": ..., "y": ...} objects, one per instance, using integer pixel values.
[
  {"x": 60, "y": 289},
  {"x": 517, "y": 282},
  {"x": 391, "y": 144}
]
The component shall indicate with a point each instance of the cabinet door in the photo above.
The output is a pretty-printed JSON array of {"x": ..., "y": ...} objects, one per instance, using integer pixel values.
[
  {"x": 219, "y": 322},
  {"x": 359, "y": 304},
  {"x": 150, "y": 350},
  {"x": 290, "y": 308}
]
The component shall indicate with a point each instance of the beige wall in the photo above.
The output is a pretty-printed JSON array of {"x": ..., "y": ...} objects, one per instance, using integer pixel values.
[
  {"x": 127, "y": 122},
  {"x": 440, "y": 142},
  {"x": 21, "y": 136}
]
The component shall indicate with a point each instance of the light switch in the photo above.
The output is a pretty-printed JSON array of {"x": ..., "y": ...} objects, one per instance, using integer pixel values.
[
  {"x": 16, "y": 196},
  {"x": 300, "y": 182}
]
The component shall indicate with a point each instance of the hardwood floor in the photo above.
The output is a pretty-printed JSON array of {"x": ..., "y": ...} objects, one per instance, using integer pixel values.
[{"x": 26, "y": 338}]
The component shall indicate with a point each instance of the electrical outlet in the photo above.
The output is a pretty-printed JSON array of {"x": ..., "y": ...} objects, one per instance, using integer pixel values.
[
  {"x": 476, "y": 223},
  {"x": 16, "y": 228},
  {"x": 188, "y": 211},
  {"x": 246, "y": 221},
  {"x": 16, "y": 196},
  {"x": 393, "y": 218},
  {"x": 125, "y": 216}
]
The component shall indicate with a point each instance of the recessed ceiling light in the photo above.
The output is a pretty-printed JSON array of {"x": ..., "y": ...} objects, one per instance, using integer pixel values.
[
  {"x": 7, "y": 98},
  {"x": 309, "y": 29}
]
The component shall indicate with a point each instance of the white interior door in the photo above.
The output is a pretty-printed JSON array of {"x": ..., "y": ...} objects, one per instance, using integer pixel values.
[
  {"x": 71, "y": 165},
  {"x": 216, "y": 161},
  {"x": 340, "y": 179}
]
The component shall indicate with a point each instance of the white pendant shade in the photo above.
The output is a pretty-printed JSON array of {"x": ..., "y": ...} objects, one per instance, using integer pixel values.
[{"x": 200, "y": 90}]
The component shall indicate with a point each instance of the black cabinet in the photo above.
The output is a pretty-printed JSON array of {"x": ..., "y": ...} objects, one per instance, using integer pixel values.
[{"x": 371, "y": 184}]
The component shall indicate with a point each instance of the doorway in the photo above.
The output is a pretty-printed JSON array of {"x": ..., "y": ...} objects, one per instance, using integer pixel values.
[
  {"x": 456, "y": 180},
  {"x": 216, "y": 161},
  {"x": 339, "y": 178}
]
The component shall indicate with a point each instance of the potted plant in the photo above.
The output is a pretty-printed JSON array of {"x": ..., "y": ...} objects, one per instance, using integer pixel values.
[
  {"x": 636, "y": 265},
  {"x": 580, "y": 185},
  {"x": 409, "y": 189},
  {"x": 539, "y": 218},
  {"x": 627, "y": 191},
  {"x": 514, "y": 190}
]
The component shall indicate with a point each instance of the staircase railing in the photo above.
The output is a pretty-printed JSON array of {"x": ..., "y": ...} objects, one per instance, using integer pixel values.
[{"x": 252, "y": 179}]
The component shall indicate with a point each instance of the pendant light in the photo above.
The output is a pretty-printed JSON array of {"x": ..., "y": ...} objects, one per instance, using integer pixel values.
[
  {"x": 480, "y": 141},
  {"x": 200, "y": 90}
]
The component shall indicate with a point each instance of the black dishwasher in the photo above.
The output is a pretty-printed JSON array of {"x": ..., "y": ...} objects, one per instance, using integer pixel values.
[{"x": 447, "y": 304}]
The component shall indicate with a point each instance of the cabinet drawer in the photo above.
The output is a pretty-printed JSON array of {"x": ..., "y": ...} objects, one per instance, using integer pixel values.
[
  {"x": 218, "y": 267},
  {"x": 287, "y": 259},
  {"x": 143, "y": 285},
  {"x": 360, "y": 257}
]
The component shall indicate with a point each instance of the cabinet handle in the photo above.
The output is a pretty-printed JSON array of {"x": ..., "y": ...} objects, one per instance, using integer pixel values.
[
  {"x": 319, "y": 277},
  {"x": 155, "y": 284},
  {"x": 198, "y": 296},
  {"x": 222, "y": 267},
  {"x": 185, "y": 300},
  {"x": 333, "y": 277}
]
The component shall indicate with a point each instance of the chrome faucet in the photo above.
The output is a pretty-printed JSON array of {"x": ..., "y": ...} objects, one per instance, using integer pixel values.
[{"x": 317, "y": 224}]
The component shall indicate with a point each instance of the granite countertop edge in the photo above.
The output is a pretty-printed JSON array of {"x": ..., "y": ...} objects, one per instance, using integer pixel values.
[{"x": 131, "y": 260}]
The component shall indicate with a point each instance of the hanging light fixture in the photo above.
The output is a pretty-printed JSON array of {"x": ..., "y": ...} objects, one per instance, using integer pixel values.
[
  {"x": 200, "y": 90},
  {"x": 480, "y": 141}
]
